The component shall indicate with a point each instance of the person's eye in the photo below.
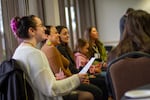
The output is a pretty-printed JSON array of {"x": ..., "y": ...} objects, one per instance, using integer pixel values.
[{"x": 40, "y": 25}]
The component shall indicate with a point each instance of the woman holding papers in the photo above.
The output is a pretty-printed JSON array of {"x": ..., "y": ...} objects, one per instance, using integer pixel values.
[
  {"x": 66, "y": 51},
  {"x": 81, "y": 59},
  {"x": 81, "y": 53}
]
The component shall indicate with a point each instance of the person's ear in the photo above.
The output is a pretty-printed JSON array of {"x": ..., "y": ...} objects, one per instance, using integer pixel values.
[
  {"x": 31, "y": 32},
  {"x": 46, "y": 35}
]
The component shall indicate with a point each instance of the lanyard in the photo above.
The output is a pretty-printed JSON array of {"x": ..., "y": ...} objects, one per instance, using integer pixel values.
[{"x": 95, "y": 49}]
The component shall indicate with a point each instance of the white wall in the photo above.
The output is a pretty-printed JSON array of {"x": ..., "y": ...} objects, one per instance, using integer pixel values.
[{"x": 108, "y": 14}]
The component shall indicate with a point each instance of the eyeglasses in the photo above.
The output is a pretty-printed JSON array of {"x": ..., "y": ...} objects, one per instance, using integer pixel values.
[{"x": 40, "y": 25}]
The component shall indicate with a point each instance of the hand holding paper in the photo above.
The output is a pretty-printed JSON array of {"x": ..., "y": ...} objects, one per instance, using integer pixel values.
[{"x": 87, "y": 66}]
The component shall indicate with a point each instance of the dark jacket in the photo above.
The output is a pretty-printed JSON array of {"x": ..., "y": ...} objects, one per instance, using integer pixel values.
[
  {"x": 64, "y": 51},
  {"x": 13, "y": 83}
]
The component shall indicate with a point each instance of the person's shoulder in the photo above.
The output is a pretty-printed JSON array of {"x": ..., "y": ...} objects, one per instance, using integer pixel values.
[
  {"x": 79, "y": 55},
  {"x": 112, "y": 55},
  {"x": 53, "y": 49},
  {"x": 99, "y": 43},
  {"x": 61, "y": 48},
  {"x": 28, "y": 50},
  {"x": 33, "y": 52},
  {"x": 36, "y": 53}
]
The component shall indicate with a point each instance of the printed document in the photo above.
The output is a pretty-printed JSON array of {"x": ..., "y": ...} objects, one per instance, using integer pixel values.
[{"x": 87, "y": 66}]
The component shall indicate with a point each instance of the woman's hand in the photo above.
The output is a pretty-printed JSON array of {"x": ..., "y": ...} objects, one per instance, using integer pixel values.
[
  {"x": 104, "y": 64},
  {"x": 84, "y": 78},
  {"x": 92, "y": 69},
  {"x": 60, "y": 75}
]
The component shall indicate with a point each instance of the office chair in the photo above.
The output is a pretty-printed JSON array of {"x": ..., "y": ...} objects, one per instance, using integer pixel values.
[{"x": 127, "y": 72}]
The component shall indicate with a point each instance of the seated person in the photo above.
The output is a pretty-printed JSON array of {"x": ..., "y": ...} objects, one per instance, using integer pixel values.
[
  {"x": 94, "y": 71},
  {"x": 82, "y": 59},
  {"x": 136, "y": 35},
  {"x": 45, "y": 86},
  {"x": 58, "y": 62},
  {"x": 96, "y": 47},
  {"x": 66, "y": 51}
]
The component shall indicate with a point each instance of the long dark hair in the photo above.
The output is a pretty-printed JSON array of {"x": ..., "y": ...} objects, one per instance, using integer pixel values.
[
  {"x": 59, "y": 29},
  {"x": 48, "y": 29},
  {"x": 48, "y": 32},
  {"x": 98, "y": 43}
]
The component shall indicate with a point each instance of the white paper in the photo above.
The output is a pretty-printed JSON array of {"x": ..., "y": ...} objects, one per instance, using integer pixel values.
[
  {"x": 138, "y": 94},
  {"x": 87, "y": 66}
]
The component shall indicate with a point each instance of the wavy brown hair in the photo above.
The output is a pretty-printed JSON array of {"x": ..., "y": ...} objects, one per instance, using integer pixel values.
[
  {"x": 98, "y": 43},
  {"x": 136, "y": 36}
]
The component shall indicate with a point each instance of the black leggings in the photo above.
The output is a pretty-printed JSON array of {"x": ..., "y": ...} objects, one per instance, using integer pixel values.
[
  {"x": 100, "y": 82},
  {"x": 97, "y": 93}
]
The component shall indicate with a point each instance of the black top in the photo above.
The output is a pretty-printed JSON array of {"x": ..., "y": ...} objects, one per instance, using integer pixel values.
[{"x": 65, "y": 52}]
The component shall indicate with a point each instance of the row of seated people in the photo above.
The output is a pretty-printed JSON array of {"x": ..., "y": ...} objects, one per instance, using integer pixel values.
[
  {"x": 136, "y": 37},
  {"x": 62, "y": 63},
  {"x": 43, "y": 81},
  {"x": 85, "y": 50},
  {"x": 46, "y": 78}
]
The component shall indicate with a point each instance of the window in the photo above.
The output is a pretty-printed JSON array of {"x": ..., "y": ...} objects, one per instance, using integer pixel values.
[
  {"x": 70, "y": 17},
  {"x": 77, "y": 15}
]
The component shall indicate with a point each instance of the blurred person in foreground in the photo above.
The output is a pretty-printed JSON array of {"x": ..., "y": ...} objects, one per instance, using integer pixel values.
[{"x": 136, "y": 36}]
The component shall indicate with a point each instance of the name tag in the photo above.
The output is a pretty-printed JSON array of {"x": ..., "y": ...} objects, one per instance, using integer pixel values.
[{"x": 97, "y": 55}]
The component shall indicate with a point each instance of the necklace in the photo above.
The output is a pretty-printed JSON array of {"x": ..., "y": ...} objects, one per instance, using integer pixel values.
[{"x": 29, "y": 43}]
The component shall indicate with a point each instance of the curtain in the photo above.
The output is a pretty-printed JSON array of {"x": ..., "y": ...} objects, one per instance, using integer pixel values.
[
  {"x": 62, "y": 5},
  {"x": 11, "y": 8},
  {"x": 84, "y": 13},
  {"x": 1, "y": 36}
]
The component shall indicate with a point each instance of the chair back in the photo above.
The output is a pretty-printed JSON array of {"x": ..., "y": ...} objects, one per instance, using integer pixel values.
[
  {"x": 14, "y": 84},
  {"x": 127, "y": 72}
]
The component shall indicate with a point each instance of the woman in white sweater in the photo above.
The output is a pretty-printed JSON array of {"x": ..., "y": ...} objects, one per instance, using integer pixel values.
[{"x": 45, "y": 86}]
